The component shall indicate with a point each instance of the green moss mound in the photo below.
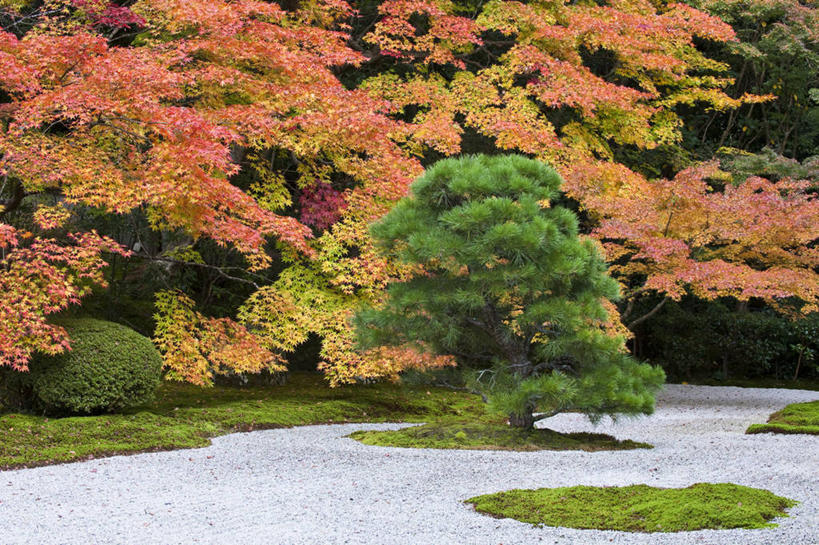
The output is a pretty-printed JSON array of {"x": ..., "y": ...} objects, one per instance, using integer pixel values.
[
  {"x": 186, "y": 416},
  {"x": 490, "y": 436},
  {"x": 30, "y": 441},
  {"x": 639, "y": 508},
  {"x": 109, "y": 368},
  {"x": 796, "y": 418}
]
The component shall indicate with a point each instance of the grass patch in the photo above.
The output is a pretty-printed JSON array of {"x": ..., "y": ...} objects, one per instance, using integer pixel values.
[
  {"x": 795, "y": 418},
  {"x": 186, "y": 416},
  {"x": 487, "y": 434},
  {"x": 639, "y": 508}
]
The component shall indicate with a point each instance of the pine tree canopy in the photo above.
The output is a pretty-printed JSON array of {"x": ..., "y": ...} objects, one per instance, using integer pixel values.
[{"x": 501, "y": 280}]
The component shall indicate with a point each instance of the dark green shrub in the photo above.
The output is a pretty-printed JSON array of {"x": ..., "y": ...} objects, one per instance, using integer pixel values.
[
  {"x": 110, "y": 367},
  {"x": 709, "y": 340}
]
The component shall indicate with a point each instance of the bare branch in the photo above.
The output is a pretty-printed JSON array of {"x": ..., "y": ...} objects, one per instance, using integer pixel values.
[
  {"x": 220, "y": 270},
  {"x": 648, "y": 315},
  {"x": 464, "y": 389}
]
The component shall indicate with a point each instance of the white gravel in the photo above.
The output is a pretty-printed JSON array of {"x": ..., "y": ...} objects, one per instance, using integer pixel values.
[{"x": 311, "y": 485}]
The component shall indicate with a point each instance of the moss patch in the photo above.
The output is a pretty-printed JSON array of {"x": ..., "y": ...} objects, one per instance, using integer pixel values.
[
  {"x": 639, "y": 508},
  {"x": 186, "y": 416},
  {"x": 490, "y": 435},
  {"x": 796, "y": 418}
]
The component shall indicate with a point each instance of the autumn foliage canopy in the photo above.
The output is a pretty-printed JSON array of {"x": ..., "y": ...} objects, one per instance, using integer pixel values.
[{"x": 281, "y": 131}]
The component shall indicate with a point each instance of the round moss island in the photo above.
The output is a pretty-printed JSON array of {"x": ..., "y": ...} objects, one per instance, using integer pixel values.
[
  {"x": 639, "y": 508},
  {"x": 483, "y": 435}
]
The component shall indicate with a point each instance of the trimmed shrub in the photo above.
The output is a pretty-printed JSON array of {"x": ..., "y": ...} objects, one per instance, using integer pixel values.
[
  {"x": 509, "y": 289},
  {"x": 110, "y": 367}
]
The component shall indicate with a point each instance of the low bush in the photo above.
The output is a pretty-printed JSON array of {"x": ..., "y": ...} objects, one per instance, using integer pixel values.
[
  {"x": 109, "y": 367},
  {"x": 712, "y": 341}
]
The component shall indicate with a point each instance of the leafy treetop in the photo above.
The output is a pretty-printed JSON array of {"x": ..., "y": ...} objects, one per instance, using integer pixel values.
[{"x": 504, "y": 284}]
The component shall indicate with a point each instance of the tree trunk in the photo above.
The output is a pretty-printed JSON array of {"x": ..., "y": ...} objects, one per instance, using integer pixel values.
[
  {"x": 18, "y": 193},
  {"x": 525, "y": 420},
  {"x": 798, "y": 364}
]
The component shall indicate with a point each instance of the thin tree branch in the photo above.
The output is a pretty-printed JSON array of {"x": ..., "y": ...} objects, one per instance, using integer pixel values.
[
  {"x": 464, "y": 389},
  {"x": 219, "y": 270},
  {"x": 648, "y": 315}
]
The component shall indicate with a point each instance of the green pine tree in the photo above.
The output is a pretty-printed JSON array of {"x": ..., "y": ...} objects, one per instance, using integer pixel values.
[{"x": 508, "y": 288}]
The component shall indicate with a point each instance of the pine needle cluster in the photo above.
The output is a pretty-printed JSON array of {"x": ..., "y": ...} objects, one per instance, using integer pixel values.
[{"x": 505, "y": 284}]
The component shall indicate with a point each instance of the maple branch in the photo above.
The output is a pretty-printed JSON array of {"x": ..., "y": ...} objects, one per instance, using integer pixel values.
[
  {"x": 629, "y": 309},
  {"x": 668, "y": 223},
  {"x": 634, "y": 293},
  {"x": 648, "y": 315},
  {"x": 102, "y": 122},
  {"x": 631, "y": 297},
  {"x": 134, "y": 120},
  {"x": 356, "y": 41},
  {"x": 17, "y": 20},
  {"x": 219, "y": 270},
  {"x": 67, "y": 70}
]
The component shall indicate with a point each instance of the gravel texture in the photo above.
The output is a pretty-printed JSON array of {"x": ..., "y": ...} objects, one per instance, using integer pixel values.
[{"x": 312, "y": 485}]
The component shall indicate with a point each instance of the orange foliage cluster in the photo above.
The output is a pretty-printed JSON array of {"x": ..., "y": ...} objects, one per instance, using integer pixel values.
[
  {"x": 39, "y": 277},
  {"x": 750, "y": 240},
  {"x": 197, "y": 347},
  {"x": 153, "y": 126}
]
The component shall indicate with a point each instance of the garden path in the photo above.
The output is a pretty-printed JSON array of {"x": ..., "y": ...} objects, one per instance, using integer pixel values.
[{"x": 312, "y": 485}]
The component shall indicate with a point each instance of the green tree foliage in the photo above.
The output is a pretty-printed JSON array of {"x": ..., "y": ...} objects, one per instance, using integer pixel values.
[
  {"x": 507, "y": 287},
  {"x": 767, "y": 164},
  {"x": 110, "y": 367},
  {"x": 776, "y": 54},
  {"x": 697, "y": 339}
]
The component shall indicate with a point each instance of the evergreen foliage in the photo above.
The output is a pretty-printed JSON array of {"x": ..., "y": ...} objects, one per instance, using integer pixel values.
[
  {"x": 109, "y": 367},
  {"x": 775, "y": 54},
  {"x": 709, "y": 340},
  {"x": 507, "y": 287}
]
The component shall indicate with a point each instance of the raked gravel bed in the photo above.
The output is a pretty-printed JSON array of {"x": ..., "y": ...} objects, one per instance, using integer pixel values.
[{"x": 312, "y": 485}]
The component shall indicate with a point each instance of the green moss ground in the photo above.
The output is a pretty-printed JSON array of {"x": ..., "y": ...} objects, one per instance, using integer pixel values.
[
  {"x": 796, "y": 418},
  {"x": 488, "y": 434},
  {"x": 185, "y": 416},
  {"x": 639, "y": 508}
]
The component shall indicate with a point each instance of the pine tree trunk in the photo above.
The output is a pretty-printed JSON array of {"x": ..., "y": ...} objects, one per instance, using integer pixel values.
[
  {"x": 522, "y": 368},
  {"x": 524, "y": 421}
]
